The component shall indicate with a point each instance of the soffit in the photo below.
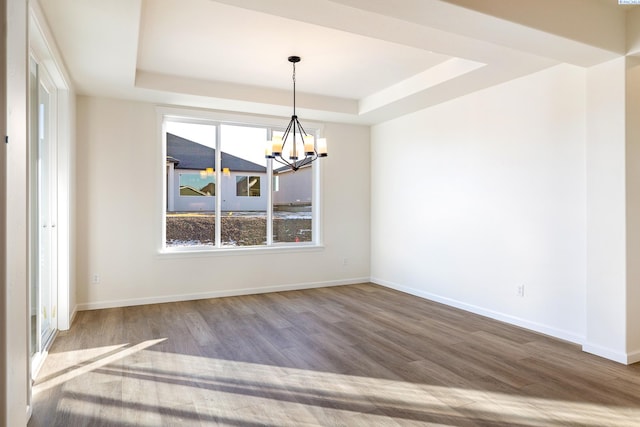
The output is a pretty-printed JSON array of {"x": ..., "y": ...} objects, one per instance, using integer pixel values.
[{"x": 363, "y": 61}]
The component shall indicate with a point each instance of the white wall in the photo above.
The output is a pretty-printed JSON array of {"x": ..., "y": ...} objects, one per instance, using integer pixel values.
[
  {"x": 474, "y": 197},
  {"x": 118, "y": 226},
  {"x": 632, "y": 107},
  {"x": 606, "y": 254}
]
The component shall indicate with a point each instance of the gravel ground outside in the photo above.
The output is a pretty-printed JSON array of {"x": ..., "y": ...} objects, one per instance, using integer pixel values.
[{"x": 237, "y": 230}]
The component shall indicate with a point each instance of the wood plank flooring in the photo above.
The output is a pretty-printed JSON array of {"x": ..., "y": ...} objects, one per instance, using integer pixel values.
[{"x": 359, "y": 355}]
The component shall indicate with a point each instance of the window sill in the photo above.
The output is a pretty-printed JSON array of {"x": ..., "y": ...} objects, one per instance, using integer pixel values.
[{"x": 201, "y": 252}]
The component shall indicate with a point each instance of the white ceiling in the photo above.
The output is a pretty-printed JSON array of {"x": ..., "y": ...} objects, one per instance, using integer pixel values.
[
  {"x": 363, "y": 61},
  {"x": 214, "y": 41}
]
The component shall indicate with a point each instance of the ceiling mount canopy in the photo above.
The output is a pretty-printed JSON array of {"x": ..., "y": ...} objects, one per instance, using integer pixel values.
[{"x": 295, "y": 148}]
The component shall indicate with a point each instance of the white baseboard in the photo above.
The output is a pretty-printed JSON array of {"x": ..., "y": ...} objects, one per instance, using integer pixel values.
[
  {"x": 607, "y": 353},
  {"x": 216, "y": 294},
  {"x": 633, "y": 357},
  {"x": 533, "y": 326},
  {"x": 616, "y": 356},
  {"x": 73, "y": 315}
]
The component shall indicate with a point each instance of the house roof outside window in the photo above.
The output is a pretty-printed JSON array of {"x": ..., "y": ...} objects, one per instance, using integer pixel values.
[{"x": 188, "y": 154}]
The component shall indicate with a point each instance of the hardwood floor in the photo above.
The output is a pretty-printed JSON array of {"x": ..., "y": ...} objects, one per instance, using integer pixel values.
[{"x": 359, "y": 355}]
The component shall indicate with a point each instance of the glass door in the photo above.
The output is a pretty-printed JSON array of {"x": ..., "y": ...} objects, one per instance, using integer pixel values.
[{"x": 43, "y": 198}]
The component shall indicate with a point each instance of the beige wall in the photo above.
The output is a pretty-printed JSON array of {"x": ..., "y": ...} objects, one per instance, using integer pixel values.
[
  {"x": 16, "y": 366},
  {"x": 3, "y": 216},
  {"x": 119, "y": 198}
]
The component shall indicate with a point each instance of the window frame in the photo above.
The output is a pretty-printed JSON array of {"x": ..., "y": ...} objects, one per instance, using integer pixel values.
[
  {"x": 218, "y": 119},
  {"x": 247, "y": 180},
  {"x": 181, "y": 174}
]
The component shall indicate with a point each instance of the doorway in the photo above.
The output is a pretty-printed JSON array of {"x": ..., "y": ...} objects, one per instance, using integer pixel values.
[{"x": 43, "y": 209}]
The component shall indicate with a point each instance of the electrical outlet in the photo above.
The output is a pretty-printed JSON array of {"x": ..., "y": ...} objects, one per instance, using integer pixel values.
[
  {"x": 345, "y": 261},
  {"x": 520, "y": 290},
  {"x": 95, "y": 279}
]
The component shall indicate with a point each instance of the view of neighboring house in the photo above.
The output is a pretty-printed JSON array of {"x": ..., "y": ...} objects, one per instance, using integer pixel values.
[
  {"x": 191, "y": 181},
  {"x": 292, "y": 190}
]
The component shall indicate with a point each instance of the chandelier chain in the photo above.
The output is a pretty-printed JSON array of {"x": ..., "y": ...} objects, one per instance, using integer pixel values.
[{"x": 294, "y": 88}]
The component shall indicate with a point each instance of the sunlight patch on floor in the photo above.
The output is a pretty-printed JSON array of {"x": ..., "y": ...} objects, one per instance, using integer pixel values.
[
  {"x": 94, "y": 359},
  {"x": 184, "y": 387}
]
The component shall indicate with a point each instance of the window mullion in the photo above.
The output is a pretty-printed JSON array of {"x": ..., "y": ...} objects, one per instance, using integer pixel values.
[
  {"x": 316, "y": 176},
  {"x": 269, "y": 195},
  {"x": 218, "y": 192}
]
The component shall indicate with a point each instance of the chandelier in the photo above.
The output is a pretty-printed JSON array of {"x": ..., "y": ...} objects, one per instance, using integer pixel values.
[{"x": 295, "y": 148}]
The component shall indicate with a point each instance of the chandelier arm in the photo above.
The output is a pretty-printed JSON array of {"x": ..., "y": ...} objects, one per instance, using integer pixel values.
[
  {"x": 284, "y": 162},
  {"x": 294, "y": 151},
  {"x": 286, "y": 134},
  {"x": 303, "y": 134},
  {"x": 288, "y": 129},
  {"x": 305, "y": 162},
  {"x": 300, "y": 128}
]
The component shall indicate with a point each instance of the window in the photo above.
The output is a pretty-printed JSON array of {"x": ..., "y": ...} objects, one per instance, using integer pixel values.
[
  {"x": 248, "y": 186},
  {"x": 221, "y": 191},
  {"x": 292, "y": 205},
  {"x": 197, "y": 184}
]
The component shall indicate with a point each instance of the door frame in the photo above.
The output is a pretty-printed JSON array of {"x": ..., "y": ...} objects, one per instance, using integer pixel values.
[
  {"x": 43, "y": 225},
  {"x": 42, "y": 46}
]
